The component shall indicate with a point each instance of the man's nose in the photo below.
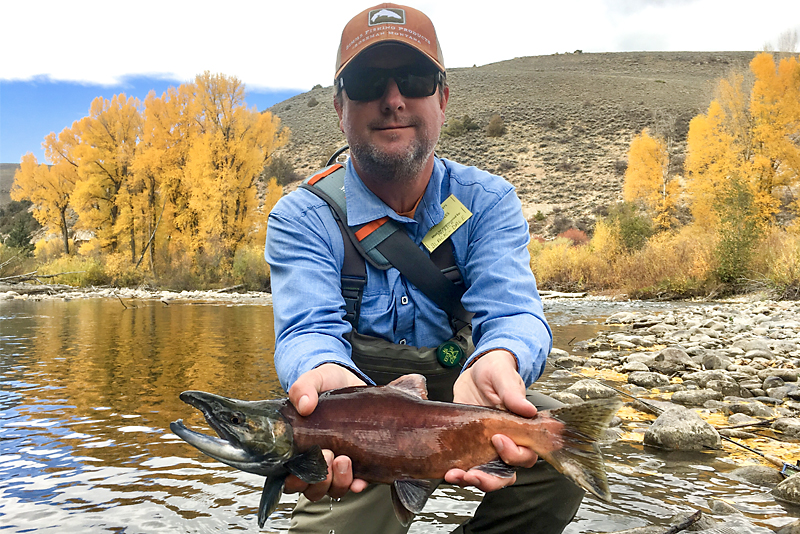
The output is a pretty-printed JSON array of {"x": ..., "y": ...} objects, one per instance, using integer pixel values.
[{"x": 392, "y": 99}]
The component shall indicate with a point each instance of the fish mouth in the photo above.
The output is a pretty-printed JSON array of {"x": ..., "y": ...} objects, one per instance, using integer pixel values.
[{"x": 226, "y": 448}]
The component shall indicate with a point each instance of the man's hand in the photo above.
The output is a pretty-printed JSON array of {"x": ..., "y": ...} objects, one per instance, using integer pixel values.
[
  {"x": 304, "y": 395},
  {"x": 493, "y": 381}
]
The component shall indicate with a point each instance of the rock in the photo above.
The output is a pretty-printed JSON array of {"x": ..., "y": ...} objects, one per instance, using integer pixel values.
[
  {"x": 787, "y": 375},
  {"x": 791, "y": 528},
  {"x": 569, "y": 361},
  {"x": 681, "y": 429},
  {"x": 772, "y": 382},
  {"x": 753, "y": 409},
  {"x": 788, "y": 425},
  {"x": 558, "y": 353},
  {"x": 741, "y": 419},
  {"x": 759, "y": 353},
  {"x": 591, "y": 389},
  {"x": 567, "y": 398},
  {"x": 647, "y": 379},
  {"x": 761, "y": 475},
  {"x": 721, "y": 507},
  {"x": 697, "y": 397},
  {"x": 630, "y": 367},
  {"x": 671, "y": 360},
  {"x": 788, "y": 490},
  {"x": 716, "y": 361}
]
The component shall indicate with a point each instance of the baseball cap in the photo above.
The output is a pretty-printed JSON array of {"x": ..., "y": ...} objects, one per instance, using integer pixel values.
[{"x": 388, "y": 23}]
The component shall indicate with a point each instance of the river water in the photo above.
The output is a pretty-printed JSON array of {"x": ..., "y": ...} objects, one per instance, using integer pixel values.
[{"x": 88, "y": 389}]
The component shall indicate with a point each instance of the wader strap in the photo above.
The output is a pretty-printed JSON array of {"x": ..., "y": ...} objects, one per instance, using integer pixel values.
[{"x": 384, "y": 245}]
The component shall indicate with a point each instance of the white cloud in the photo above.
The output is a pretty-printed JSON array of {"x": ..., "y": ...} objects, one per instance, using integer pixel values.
[{"x": 293, "y": 44}]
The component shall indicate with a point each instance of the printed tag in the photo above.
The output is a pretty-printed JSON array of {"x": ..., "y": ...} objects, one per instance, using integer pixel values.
[{"x": 455, "y": 214}]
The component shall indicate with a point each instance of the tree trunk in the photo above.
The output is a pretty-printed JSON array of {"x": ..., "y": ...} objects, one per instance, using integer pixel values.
[{"x": 65, "y": 230}]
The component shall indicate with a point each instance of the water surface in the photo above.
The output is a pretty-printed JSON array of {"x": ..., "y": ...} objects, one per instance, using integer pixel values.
[{"x": 88, "y": 389}]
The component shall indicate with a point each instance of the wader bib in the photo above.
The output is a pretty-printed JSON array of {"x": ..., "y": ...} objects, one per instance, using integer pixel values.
[{"x": 385, "y": 244}]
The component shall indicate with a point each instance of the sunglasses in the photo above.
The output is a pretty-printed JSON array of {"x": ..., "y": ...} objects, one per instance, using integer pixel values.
[{"x": 413, "y": 81}]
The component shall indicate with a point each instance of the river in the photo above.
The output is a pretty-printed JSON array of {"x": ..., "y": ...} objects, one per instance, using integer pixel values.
[{"x": 88, "y": 389}]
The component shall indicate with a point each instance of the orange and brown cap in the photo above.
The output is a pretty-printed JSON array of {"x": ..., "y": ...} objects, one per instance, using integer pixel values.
[{"x": 388, "y": 23}]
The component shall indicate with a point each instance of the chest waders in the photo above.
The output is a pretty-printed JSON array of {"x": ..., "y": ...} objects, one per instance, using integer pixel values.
[{"x": 385, "y": 244}]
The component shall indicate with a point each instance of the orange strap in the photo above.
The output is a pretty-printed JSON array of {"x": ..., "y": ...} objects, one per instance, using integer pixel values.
[
  {"x": 370, "y": 227},
  {"x": 317, "y": 177}
]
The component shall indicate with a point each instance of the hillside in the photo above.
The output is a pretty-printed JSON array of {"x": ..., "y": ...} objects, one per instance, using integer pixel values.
[
  {"x": 7, "y": 171},
  {"x": 569, "y": 120}
]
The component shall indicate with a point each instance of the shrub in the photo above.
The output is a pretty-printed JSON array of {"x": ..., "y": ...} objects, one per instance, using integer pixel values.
[
  {"x": 496, "y": 126},
  {"x": 250, "y": 268},
  {"x": 77, "y": 271},
  {"x": 737, "y": 231},
  {"x": 280, "y": 168},
  {"x": 312, "y": 102},
  {"x": 635, "y": 228},
  {"x": 576, "y": 236}
]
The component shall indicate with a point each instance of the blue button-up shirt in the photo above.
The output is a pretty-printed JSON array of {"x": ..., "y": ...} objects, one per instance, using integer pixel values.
[{"x": 305, "y": 252}]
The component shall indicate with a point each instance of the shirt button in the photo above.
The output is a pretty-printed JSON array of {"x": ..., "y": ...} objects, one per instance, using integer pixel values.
[
  {"x": 402, "y": 342},
  {"x": 404, "y": 300}
]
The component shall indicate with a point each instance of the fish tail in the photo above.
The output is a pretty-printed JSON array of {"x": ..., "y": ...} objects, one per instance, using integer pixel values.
[{"x": 579, "y": 458}]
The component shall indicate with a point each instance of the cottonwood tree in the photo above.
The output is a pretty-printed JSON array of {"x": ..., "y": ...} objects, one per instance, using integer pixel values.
[
  {"x": 648, "y": 180},
  {"x": 49, "y": 187},
  {"x": 750, "y": 134}
]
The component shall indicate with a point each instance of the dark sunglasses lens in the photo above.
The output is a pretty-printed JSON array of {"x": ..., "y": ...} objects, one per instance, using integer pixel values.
[
  {"x": 365, "y": 86},
  {"x": 414, "y": 85}
]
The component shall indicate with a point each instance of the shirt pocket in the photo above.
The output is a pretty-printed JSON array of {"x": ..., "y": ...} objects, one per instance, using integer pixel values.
[{"x": 378, "y": 315}]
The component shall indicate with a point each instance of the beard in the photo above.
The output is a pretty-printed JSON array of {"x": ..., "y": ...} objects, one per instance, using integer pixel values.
[{"x": 393, "y": 168}]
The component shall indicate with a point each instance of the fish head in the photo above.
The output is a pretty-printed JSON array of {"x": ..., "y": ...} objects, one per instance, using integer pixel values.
[{"x": 253, "y": 435}]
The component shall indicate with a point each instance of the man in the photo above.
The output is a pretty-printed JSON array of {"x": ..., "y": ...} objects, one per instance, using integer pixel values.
[{"x": 391, "y": 99}]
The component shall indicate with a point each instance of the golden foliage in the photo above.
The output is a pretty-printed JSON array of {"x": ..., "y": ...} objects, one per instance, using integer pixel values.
[
  {"x": 647, "y": 178},
  {"x": 173, "y": 176},
  {"x": 749, "y": 133}
]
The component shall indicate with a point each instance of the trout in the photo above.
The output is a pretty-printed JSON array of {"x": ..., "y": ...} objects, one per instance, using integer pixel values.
[{"x": 393, "y": 435}]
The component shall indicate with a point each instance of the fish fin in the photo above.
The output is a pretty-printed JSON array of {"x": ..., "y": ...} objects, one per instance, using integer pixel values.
[
  {"x": 412, "y": 384},
  {"x": 310, "y": 466},
  {"x": 498, "y": 468},
  {"x": 579, "y": 458},
  {"x": 270, "y": 497},
  {"x": 409, "y": 498}
]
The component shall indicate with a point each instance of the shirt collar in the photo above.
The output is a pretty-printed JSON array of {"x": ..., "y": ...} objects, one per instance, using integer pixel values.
[{"x": 364, "y": 206}]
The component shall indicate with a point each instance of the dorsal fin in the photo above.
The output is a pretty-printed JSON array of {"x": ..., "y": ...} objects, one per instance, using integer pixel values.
[{"x": 413, "y": 384}]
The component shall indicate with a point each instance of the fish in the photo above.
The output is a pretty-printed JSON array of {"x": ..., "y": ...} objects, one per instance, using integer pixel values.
[{"x": 393, "y": 435}]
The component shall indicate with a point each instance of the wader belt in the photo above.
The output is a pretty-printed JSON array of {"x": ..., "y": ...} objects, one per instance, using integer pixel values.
[{"x": 385, "y": 244}]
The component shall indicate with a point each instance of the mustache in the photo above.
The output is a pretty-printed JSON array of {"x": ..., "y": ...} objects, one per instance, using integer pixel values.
[{"x": 393, "y": 122}]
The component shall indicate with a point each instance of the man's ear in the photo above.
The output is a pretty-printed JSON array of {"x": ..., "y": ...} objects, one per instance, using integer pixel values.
[
  {"x": 445, "y": 96},
  {"x": 337, "y": 105}
]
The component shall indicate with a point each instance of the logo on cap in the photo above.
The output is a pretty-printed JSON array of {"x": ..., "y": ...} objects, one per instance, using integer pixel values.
[{"x": 387, "y": 15}]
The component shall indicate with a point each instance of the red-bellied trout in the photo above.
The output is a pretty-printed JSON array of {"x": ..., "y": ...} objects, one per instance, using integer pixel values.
[{"x": 393, "y": 435}]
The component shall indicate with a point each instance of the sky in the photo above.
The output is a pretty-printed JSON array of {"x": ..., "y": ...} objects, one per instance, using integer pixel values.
[{"x": 58, "y": 56}]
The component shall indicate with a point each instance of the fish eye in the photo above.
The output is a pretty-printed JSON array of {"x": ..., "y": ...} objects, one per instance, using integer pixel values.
[{"x": 236, "y": 419}]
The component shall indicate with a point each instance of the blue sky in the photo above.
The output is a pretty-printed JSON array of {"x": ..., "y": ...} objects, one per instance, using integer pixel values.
[{"x": 58, "y": 56}]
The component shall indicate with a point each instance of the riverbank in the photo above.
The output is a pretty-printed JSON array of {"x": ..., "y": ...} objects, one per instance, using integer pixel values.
[{"x": 64, "y": 292}]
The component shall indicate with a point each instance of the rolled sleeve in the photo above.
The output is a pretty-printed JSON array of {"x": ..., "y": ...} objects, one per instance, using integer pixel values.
[
  {"x": 305, "y": 264},
  {"x": 502, "y": 289}
]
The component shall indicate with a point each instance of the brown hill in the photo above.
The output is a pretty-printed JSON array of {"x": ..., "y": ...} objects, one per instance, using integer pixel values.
[
  {"x": 569, "y": 119},
  {"x": 7, "y": 171}
]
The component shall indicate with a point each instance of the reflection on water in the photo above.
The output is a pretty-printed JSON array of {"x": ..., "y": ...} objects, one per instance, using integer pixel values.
[{"x": 88, "y": 389}]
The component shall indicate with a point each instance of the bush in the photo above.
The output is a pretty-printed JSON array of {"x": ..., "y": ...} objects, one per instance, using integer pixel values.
[
  {"x": 78, "y": 271},
  {"x": 250, "y": 268},
  {"x": 280, "y": 168},
  {"x": 496, "y": 126},
  {"x": 635, "y": 228},
  {"x": 312, "y": 102},
  {"x": 458, "y": 127},
  {"x": 738, "y": 231},
  {"x": 576, "y": 236}
]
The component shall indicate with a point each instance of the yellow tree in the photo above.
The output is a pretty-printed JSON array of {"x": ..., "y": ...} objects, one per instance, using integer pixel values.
[
  {"x": 749, "y": 134},
  {"x": 647, "y": 178},
  {"x": 49, "y": 187},
  {"x": 232, "y": 147},
  {"x": 167, "y": 132},
  {"x": 102, "y": 197}
]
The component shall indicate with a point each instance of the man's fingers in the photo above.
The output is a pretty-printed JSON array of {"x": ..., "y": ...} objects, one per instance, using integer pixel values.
[
  {"x": 511, "y": 453},
  {"x": 342, "y": 470},
  {"x": 481, "y": 480},
  {"x": 315, "y": 492}
]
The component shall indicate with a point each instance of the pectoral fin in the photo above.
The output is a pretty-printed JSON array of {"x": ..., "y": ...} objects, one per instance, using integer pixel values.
[
  {"x": 270, "y": 497},
  {"x": 310, "y": 466},
  {"x": 409, "y": 498},
  {"x": 498, "y": 468}
]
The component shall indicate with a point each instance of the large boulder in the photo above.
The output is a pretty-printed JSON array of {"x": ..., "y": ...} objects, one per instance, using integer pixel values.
[
  {"x": 681, "y": 429},
  {"x": 672, "y": 360}
]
